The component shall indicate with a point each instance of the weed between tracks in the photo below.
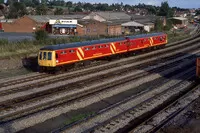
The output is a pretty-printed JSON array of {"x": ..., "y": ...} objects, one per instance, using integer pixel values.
[{"x": 78, "y": 118}]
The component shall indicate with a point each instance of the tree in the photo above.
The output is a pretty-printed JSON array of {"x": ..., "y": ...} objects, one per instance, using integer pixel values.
[
  {"x": 58, "y": 11},
  {"x": 41, "y": 34},
  {"x": 168, "y": 25},
  {"x": 165, "y": 10},
  {"x": 1, "y": 1},
  {"x": 78, "y": 9},
  {"x": 158, "y": 25},
  {"x": 17, "y": 9},
  {"x": 41, "y": 9}
]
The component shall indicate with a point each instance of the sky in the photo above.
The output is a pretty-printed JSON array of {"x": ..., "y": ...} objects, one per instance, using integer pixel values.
[{"x": 172, "y": 3}]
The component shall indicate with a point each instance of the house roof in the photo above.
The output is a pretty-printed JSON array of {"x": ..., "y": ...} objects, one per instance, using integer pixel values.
[
  {"x": 144, "y": 19},
  {"x": 133, "y": 24},
  {"x": 179, "y": 18},
  {"x": 113, "y": 22},
  {"x": 46, "y": 18},
  {"x": 114, "y": 15}
]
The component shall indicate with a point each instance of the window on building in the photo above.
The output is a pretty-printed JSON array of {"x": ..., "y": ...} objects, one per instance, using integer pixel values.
[
  {"x": 88, "y": 30},
  {"x": 95, "y": 30}
]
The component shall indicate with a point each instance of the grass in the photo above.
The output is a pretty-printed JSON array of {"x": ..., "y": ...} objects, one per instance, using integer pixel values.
[
  {"x": 27, "y": 47},
  {"x": 78, "y": 117}
]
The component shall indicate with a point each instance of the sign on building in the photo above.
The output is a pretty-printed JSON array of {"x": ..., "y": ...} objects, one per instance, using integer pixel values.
[{"x": 62, "y": 21}]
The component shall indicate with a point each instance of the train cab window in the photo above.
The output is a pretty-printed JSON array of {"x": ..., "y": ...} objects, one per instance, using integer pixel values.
[
  {"x": 49, "y": 55},
  {"x": 44, "y": 55},
  {"x": 56, "y": 56},
  {"x": 40, "y": 56}
]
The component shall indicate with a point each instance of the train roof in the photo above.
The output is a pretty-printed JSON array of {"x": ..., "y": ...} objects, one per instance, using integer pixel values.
[
  {"x": 145, "y": 35},
  {"x": 93, "y": 42},
  {"x": 80, "y": 44}
]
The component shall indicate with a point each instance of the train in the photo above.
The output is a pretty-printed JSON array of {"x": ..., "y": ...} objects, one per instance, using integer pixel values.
[{"x": 57, "y": 56}]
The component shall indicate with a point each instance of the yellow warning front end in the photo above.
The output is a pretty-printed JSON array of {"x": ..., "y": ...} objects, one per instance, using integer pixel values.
[{"x": 47, "y": 58}]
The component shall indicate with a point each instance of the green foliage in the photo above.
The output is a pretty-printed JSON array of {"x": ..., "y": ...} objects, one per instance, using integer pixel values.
[
  {"x": 165, "y": 10},
  {"x": 41, "y": 35},
  {"x": 17, "y": 9},
  {"x": 168, "y": 25},
  {"x": 41, "y": 9},
  {"x": 158, "y": 25},
  {"x": 58, "y": 11},
  {"x": 197, "y": 12},
  {"x": 78, "y": 9},
  {"x": 1, "y": 1}
]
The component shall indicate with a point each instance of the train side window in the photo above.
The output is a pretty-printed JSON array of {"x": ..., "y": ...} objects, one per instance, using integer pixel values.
[
  {"x": 161, "y": 38},
  {"x": 93, "y": 47},
  {"x": 44, "y": 55},
  {"x": 87, "y": 49},
  {"x": 98, "y": 46},
  {"x": 106, "y": 45},
  {"x": 63, "y": 52},
  {"x": 40, "y": 56},
  {"x": 49, "y": 55},
  {"x": 71, "y": 51}
]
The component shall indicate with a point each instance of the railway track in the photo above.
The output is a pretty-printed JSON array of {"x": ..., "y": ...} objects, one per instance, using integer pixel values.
[
  {"x": 118, "y": 116},
  {"x": 12, "y": 82},
  {"x": 73, "y": 96},
  {"x": 139, "y": 74},
  {"x": 53, "y": 79},
  {"x": 90, "y": 92},
  {"x": 163, "y": 116}
]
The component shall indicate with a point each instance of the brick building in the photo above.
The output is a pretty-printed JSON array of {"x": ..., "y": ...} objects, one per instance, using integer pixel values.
[
  {"x": 95, "y": 28},
  {"x": 30, "y": 23}
]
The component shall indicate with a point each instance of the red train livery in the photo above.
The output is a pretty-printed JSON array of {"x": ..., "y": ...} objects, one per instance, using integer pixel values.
[{"x": 58, "y": 55}]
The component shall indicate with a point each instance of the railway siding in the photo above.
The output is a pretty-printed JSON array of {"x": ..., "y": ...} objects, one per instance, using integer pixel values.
[{"x": 102, "y": 90}]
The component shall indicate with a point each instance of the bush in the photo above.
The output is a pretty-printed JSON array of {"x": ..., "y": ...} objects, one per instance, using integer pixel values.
[{"x": 41, "y": 34}]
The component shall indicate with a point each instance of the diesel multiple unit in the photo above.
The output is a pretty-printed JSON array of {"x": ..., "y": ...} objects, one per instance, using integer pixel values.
[{"x": 53, "y": 56}]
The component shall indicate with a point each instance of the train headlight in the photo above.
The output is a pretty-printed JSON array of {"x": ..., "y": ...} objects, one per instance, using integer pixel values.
[{"x": 57, "y": 61}]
